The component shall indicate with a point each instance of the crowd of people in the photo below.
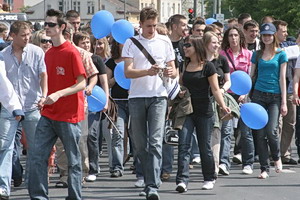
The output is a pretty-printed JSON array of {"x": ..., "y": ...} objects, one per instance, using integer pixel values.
[{"x": 46, "y": 76}]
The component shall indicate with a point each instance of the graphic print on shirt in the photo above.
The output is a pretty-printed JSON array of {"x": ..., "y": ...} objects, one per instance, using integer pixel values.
[{"x": 60, "y": 70}]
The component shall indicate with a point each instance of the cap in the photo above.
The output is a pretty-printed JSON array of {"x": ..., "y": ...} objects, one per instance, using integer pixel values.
[{"x": 267, "y": 28}]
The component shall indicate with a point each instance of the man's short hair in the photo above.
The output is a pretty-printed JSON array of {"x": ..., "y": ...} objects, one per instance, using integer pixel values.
[
  {"x": 148, "y": 13},
  {"x": 278, "y": 23},
  {"x": 250, "y": 23},
  {"x": 72, "y": 13},
  {"x": 81, "y": 35},
  {"x": 58, "y": 14},
  {"x": 243, "y": 16},
  {"x": 219, "y": 24},
  {"x": 3, "y": 28},
  {"x": 232, "y": 20},
  {"x": 17, "y": 26},
  {"x": 175, "y": 19},
  {"x": 198, "y": 22}
]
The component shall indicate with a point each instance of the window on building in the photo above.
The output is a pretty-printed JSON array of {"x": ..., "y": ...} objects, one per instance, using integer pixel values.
[
  {"x": 60, "y": 6},
  {"x": 76, "y": 6},
  {"x": 90, "y": 7},
  {"x": 163, "y": 9},
  {"x": 102, "y": 7},
  {"x": 169, "y": 10},
  {"x": 142, "y": 5},
  {"x": 146, "y": 4},
  {"x": 173, "y": 8},
  {"x": 179, "y": 9}
]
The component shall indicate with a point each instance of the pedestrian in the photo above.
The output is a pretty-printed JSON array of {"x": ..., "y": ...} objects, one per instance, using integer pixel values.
[
  {"x": 62, "y": 112},
  {"x": 269, "y": 66},
  {"x": 148, "y": 96}
]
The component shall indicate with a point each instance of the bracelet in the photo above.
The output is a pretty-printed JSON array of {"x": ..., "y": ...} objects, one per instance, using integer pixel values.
[{"x": 42, "y": 97}]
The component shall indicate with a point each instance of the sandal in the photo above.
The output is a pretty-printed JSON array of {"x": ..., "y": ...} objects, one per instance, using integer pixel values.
[{"x": 263, "y": 175}]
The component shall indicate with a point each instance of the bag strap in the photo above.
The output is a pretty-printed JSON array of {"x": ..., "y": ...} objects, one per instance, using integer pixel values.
[
  {"x": 229, "y": 58},
  {"x": 143, "y": 50}
]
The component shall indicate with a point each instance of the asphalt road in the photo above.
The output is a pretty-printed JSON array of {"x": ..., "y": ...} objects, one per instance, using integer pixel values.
[{"x": 236, "y": 186}]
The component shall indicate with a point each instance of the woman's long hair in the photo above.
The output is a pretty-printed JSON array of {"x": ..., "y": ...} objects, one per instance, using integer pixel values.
[
  {"x": 200, "y": 51},
  {"x": 274, "y": 44},
  {"x": 226, "y": 45},
  {"x": 207, "y": 38}
]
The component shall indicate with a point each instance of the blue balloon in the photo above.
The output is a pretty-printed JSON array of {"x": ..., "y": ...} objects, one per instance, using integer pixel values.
[
  {"x": 120, "y": 76},
  {"x": 101, "y": 23},
  {"x": 240, "y": 82},
  {"x": 122, "y": 30},
  {"x": 97, "y": 100},
  {"x": 254, "y": 115},
  {"x": 210, "y": 20}
]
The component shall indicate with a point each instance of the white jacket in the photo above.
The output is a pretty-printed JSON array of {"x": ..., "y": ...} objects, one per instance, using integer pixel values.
[{"x": 8, "y": 97}]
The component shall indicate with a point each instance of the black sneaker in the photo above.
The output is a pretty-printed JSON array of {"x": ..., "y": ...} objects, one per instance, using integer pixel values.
[
  {"x": 116, "y": 174},
  {"x": 290, "y": 161}
]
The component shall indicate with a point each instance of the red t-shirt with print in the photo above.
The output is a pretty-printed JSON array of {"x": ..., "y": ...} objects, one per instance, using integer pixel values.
[{"x": 64, "y": 65}]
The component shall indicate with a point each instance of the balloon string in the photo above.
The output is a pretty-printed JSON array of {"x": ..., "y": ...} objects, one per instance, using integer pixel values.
[{"x": 112, "y": 122}]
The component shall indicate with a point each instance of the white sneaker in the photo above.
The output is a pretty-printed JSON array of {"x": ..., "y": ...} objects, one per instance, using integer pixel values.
[
  {"x": 139, "y": 183},
  {"x": 237, "y": 158},
  {"x": 3, "y": 194},
  {"x": 197, "y": 160},
  {"x": 223, "y": 170},
  {"x": 181, "y": 187},
  {"x": 208, "y": 185},
  {"x": 247, "y": 170},
  {"x": 90, "y": 178}
]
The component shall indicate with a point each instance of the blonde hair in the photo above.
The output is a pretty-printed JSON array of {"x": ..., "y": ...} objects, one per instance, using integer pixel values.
[
  {"x": 37, "y": 36},
  {"x": 207, "y": 38},
  {"x": 106, "y": 46}
]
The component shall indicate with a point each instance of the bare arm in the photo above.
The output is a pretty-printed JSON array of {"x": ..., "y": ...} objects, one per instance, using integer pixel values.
[
  {"x": 252, "y": 72},
  {"x": 213, "y": 82},
  {"x": 283, "y": 88},
  {"x": 92, "y": 82},
  {"x": 80, "y": 85},
  {"x": 130, "y": 72},
  {"x": 227, "y": 83},
  {"x": 111, "y": 79},
  {"x": 44, "y": 87},
  {"x": 104, "y": 84},
  {"x": 296, "y": 86},
  {"x": 171, "y": 70}
]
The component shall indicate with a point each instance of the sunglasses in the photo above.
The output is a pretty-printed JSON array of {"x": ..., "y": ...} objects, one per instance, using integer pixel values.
[
  {"x": 44, "y": 41},
  {"x": 187, "y": 45},
  {"x": 50, "y": 24}
]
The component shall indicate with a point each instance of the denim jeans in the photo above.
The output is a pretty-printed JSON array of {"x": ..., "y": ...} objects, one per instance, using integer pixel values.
[
  {"x": 269, "y": 134},
  {"x": 7, "y": 137},
  {"x": 47, "y": 132},
  {"x": 204, "y": 128},
  {"x": 147, "y": 126},
  {"x": 247, "y": 144},
  {"x": 226, "y": 133},
  {"x": 93, "y": 140},
  {"x": 117, "y": 141},
  {"x": 167, "y": 158},
  {"x": 297, "y": 132},
  {"x": 17, "y": 169},
  {"x": 195, "y": 150}
]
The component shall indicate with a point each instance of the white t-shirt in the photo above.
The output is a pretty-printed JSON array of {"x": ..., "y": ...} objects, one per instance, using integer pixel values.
[{"x": 160, "y": 48}]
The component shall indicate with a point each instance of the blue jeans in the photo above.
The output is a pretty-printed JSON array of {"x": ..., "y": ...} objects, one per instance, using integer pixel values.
[
  {"x": 118, "y": 137},
  {"x": 204, "y": 128},
  {"x": 47, "y": 132},
  {"x": 147, "y": 126},
  {"x": 247, "y": 144},
  {"x": 17, "y": 169},
  {"x": 269, "y": 134},
  {"x": 226, "y": 133},
  {"x": 8, "y": 130},
  {"x": 93, "y": 141},
  {"x": 297, "y": 132},
  {"x": 167, "y": 158}
]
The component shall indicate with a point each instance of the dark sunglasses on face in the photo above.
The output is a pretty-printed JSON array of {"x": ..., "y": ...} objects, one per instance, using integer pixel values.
[
  {"x": 44, "y": 41},
  {"x": 187, "y": 45},
  {"x": 50, "y": 24}
]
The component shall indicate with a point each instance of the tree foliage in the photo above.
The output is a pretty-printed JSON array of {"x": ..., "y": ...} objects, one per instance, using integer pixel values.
[{"x": 287, "y": 10}]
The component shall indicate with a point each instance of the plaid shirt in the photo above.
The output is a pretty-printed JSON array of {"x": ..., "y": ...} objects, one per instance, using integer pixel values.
[{"x": 87, "y": 61}]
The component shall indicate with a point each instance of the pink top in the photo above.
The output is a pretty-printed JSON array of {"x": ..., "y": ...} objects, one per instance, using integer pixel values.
[{"x": 242, "y": 61}]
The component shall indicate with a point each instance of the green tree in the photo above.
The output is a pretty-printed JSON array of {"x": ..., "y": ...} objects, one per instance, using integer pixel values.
[
  {"x": 286, "y": 10},
  {"x": 24, "y": 9}
]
